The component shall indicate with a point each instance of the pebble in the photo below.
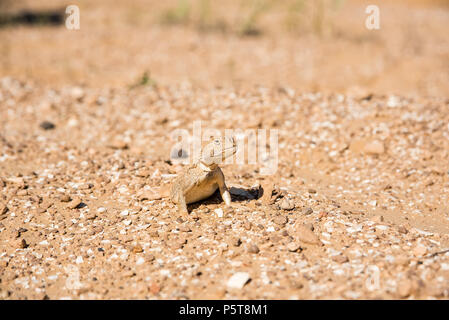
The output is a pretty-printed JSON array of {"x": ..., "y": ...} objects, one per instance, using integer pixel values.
[
  {"x": 21, "y": 244},
  {"x": 238, "y": 280},
  {"x": 293, "y": 247},
  {"x": 184, "y": 228},
  {"x": 47, "y": 125},
  {"x": 377, "y": 219},
  {"x": 307, "y": 210},
  {"x": 280, "y": 220},
  {"x": 374, "y": 147},
  {"x": 420, "y": 250},
  {"x": 137, "y": 249},
  {"x": 118, "y": 144},
  {"x": 22, "y": 193},
  {"x": 77, "y": 93},
  {"x": 179, "y": 243},
  {"x": 149, "y": 258},
  {"x": 65, "y": 198},
  {"x": 90, "y": 216},
  {"x": 286, "y": 204},
  {"x": 309, "y": 226},
  {"x": 402, "y": 229},
  {"x": 404, "y": 288},
  {"x": 340, "y": 258},
  {"x": 3, "y": 210},
  {"x": 219, "y": 212},
  {"x": 252, "y": 248},
  {"x": 129, "y": 274},
  {"x": 236, "y": 242},
  {"x": 101, "y": 210},
  {"x": 124, "y": 213},
  {"x": 307, "y": 236},
  {"x": 322, "y": 214},
  {"x": 74, "y": 203},
  {"x": 79, "y": 260},
  {"x": 150, "y": 195},
  {"x": 155, "y": 288}
]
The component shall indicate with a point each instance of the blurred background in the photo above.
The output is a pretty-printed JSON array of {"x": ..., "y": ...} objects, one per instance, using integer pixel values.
[{"x": 306, "y": 45}]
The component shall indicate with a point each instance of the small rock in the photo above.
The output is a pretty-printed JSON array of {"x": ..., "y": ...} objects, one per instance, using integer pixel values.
[
  {"x": 118, "y": 144},
  {"x": 229, "y": 210},
  {"x": 137, "y": 249},
  {"x": 312, "y": 191},
  {"x": 236, "y": 242},
  {"x": 3, "y": 210},
  {"x": 47, "y": 125},
  {"x": 247, "y": 225},
  {"x": 101, "y": 210},
  {"x": 143, "y": 173},
  {"x": 377, "y": 219},
  {"x": 79, "y": 260},
  {"x": 179, "y": 243},
  {"x": 307, "y": 236},
  {"x": 22, "y": 193},
  {"x": 129, "y": 274},
  {"x": 402, "y": 229},
  {"x": 286, "y": 204},
  {"x": 420, "y": 250},
  {"x": 149, "y": 258},
  {"x": 307, "y": 211},
  {"x": 309, "y": 226},
  {"x": 322, "y": 214},
  {"x": 252, "y": 248},
  {"x": 21, "y": 244},
  {"x": 65, "y": 198},
  {"x": 293, "y": 247},
  {"x": 184, "y": 228},
  {"x": 374, "y": 147},
  {"x": 219, "y": 212},
  {"x": 90, "y": 216},
  {"x": 77, "y": 93},
  {"x": 74, "y": 203},
  {"x": 280, "y": 220},
  {"x": 404, "y": 288},
  {"x": 238, "y": 280},
  {"x": 340, "y": 258},
  {"x": 155, "y": 288}
]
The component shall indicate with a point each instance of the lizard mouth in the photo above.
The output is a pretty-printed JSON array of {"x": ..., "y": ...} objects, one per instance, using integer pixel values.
[{"x": 225, "y": 153}]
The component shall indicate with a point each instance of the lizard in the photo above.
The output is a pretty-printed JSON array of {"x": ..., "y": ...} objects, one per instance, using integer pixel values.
[{"x": 201, "y": 179}]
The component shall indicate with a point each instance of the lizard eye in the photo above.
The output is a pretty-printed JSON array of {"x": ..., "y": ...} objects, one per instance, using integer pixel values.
[{"x": 217, "y": 141}]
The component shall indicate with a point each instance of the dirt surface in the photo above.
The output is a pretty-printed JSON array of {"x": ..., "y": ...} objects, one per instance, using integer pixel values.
[{"x": 358, "y": 207}]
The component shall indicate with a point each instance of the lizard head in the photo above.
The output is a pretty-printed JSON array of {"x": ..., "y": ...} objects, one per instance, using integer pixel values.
[{"x": 216, "y": 151}]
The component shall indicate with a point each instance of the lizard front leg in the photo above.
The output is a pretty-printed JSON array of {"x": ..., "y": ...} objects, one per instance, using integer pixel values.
[
  {"x": 181, "y": 202},
  {"x": 182, "y": 206},
  {"x": 224, "y": 192}
]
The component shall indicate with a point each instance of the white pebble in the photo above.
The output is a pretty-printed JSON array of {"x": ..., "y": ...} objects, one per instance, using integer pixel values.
[
  {"x": 219, "y": 212},
  {"x": 238, "y": 280}
]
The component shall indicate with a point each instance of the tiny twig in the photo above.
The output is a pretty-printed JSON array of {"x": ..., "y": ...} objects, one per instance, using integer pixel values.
[{"x": 436, "y": 253}]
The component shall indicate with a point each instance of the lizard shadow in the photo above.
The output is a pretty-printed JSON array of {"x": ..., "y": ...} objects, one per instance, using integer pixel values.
[{"x": 238, "y": 194}]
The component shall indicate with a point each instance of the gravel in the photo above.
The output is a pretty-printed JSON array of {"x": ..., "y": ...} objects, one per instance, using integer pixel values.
[{"x": 84, "y": 207}]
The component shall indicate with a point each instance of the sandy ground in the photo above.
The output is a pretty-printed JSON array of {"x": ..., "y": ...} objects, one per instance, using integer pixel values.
[{"x": 358, "y": 208}]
